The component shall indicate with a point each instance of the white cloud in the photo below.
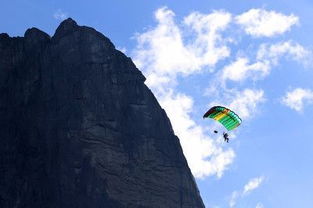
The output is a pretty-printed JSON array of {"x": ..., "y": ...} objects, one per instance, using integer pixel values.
[
  {"x": 298, "y": 98},
  {"x": 163, "y": 54},
  {"x": 233, "y": 199},
  {"x": 290, "y": 49},
  {"x": 245, "y": 102},
  {"x": 260, "y": 22},
  {"x": 60, "y": 15},
  {"x": 252, "y": 184},
  {"x": 172, "y": 49},
  {"x": 209, "y": 46},
  {"x": 267, "y": 56},
  {"x": 205, "y": 157},
  {"x": 241, "y": 70}
]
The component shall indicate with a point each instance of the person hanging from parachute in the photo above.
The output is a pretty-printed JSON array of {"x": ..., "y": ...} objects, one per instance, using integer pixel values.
[
  {"x": 226, "y": 138},
  {"x": 229, "y": 119}
]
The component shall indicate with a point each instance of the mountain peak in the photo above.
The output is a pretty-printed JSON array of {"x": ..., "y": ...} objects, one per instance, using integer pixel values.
[
  {"x": 68, "y": 23},
  {"x": 66, "y": 27}
]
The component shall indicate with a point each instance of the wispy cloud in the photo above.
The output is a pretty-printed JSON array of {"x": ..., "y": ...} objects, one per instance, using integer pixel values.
[
  {"x": 252, "y": 184},
  {"x": 233, "y": 198},
  {"x": 245, "y": 102},
  {"x": 241, "y": 69},
  {"x": 260, "y": 22},
  {"x": 290, "y": 49},
  {"x": 172, "y": 49},
  {"x": 60, "y": 15},
  {"x": 297, "y": 98},
  {"x": 209, "y": 46},
  {"x": 267, "y": 57},
  {"x": 205, "y": 157},
  {"x": 163, "y": 54}
]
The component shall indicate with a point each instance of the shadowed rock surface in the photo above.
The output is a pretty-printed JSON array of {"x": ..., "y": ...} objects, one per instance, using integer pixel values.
[{"x": 79, "y": 128}]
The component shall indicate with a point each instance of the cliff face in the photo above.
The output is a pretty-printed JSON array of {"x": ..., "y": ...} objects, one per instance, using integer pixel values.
[{"x": 79, "y": 128}]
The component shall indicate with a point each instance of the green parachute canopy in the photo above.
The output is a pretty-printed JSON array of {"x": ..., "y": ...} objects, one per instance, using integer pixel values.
[{"x": 225, "y": 116}]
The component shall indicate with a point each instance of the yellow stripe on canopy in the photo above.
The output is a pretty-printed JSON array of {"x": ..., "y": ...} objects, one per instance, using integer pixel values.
[{"x": 222, "y": 115}]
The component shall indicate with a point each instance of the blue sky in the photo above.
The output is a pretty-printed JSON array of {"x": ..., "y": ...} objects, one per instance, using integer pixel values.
[{"x": 252, "y": 56}]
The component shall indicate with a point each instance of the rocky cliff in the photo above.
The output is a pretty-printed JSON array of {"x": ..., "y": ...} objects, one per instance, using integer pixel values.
[{"x": 79, "y": 128}]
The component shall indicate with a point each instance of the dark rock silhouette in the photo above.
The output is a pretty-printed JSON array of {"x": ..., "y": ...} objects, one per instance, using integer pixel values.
[{"x": 79, "y": 128}]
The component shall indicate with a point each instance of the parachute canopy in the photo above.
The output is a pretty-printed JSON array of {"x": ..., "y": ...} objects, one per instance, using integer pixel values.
[{"x": 225, "y": 116}]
